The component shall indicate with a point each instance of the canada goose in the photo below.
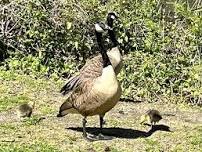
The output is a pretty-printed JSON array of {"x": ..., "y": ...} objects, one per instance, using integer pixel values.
[
  {"x": 114, "y": 56},
  {"x": 98, "y": 92},
  {"x": 25, "y": 110},
  {"x": 151, "y": 115}
]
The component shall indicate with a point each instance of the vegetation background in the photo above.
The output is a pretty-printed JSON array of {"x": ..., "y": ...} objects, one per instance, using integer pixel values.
[
  {"x": 162, "y": 41},
  {"x": 52, "y": 39}
]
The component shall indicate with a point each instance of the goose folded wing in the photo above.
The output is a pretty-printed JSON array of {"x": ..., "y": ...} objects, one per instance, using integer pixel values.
[
  {"x": 71, "y": 85},
  {"x": 90, "y": 71}
]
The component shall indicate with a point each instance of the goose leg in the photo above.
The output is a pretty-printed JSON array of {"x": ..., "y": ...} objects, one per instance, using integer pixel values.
[
  {"x": 84, "y": 127},
  {"x": 101, "y": 123},
  {"x": 89, "y": 138},
  {"x": 94, "y": 138},
  {"x": 101, "y": 136}
]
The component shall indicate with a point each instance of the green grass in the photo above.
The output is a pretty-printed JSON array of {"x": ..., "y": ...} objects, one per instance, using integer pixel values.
[
  {"x": 40, "y": 147},
  {"x": 195, "y": 139},
  {"x": 12, "y": 101},
  {"x": 152, "y": 145},
  {"x": 51, "y": 133},
  {"x": 16, "y": 89}
]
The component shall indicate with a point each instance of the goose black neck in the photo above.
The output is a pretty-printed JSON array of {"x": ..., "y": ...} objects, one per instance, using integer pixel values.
[
  {"x": 103, "y": 51},
  {"x": 111, "y": 32},
  {"x": 113, "y": 38},
  {"x": 109, "y": 21}
]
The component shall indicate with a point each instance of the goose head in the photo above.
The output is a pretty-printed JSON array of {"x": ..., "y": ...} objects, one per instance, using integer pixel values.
[{"x": 111, "y": 17}]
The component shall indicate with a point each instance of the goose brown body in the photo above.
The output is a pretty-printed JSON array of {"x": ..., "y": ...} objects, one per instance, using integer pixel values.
[{"x": 97, "y": 93}]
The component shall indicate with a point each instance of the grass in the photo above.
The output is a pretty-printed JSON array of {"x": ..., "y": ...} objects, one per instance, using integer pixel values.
[
  {"x": 8, "y": 102},
  {"x": 40, "y": 146},
  {"x": 65, "y": 134}
]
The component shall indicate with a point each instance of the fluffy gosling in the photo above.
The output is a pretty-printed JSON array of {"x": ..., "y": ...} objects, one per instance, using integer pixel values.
[
  {"x": 153, "y": 116},
  {"x": 25, "y": 110}
]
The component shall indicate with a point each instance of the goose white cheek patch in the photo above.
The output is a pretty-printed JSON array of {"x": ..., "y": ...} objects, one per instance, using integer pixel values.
[
  {"x": 113, "y": 17},
  {"x": 98, "y": 28}
]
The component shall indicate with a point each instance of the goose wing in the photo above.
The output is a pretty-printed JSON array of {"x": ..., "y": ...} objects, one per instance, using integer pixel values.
[{"x": 91, "y": 70}]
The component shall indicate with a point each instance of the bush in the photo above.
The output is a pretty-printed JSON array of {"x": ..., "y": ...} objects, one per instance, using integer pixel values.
[{"x": 161, "y": 39}]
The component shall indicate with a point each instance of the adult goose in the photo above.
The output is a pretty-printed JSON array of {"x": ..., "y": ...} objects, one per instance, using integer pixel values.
[
  {"x": 114, "y": 54},
  {"x": 98, "y": 90}
]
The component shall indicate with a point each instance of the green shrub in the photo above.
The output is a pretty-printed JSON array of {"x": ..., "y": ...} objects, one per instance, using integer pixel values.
[{"x": 162, "y": 41}]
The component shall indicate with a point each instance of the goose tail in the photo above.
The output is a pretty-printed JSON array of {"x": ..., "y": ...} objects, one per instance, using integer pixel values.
[{"x": 66, "y": 108}]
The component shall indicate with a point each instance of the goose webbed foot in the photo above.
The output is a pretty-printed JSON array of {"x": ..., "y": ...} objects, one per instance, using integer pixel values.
[
  {"x": 85, "y": 136},
  {"x": 98, "y": 137},
  {"x": 89, "y": 138},
  {"x": 104, "y": 137},
  {"x": 95, "y": 137}
]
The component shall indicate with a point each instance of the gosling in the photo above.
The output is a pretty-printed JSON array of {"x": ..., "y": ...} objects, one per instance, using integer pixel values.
[
  {"x": 25, "y": 110},
  {"x": 153, "y": 116}
]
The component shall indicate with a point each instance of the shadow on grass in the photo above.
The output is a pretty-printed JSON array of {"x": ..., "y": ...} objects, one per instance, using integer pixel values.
[
  {"x": 123, "y": 132},
  {"x": 129, "y": 100}
]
